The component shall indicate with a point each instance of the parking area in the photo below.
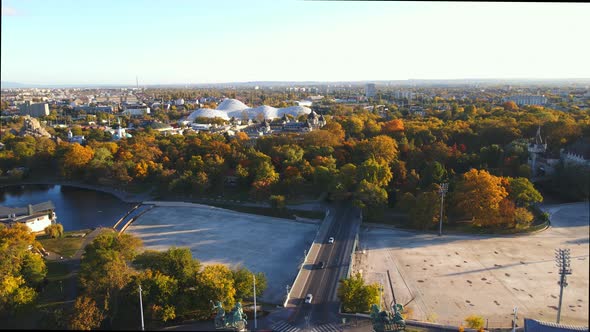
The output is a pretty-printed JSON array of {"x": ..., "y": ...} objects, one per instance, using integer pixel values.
[
  {"x": 262, "y": 244},
  {"x": 448, "y": 278}
]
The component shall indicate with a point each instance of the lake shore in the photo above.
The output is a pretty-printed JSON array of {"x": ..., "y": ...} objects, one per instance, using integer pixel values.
[{"x": 120, "y": 194}]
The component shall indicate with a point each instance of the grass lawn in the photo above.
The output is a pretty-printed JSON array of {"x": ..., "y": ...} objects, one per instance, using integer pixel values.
[{"x": 65, "y": 246}]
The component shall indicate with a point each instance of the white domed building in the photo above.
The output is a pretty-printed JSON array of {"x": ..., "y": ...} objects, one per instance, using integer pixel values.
[{"x": 229, "y": 108}]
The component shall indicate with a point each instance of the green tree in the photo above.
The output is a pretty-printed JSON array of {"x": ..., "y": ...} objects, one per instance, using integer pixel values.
[
  {"x": 54, "y": 230},
  {"x": 175, "y": 262},
  {"x": 356, "y": 296},
  {"x": 376, "y": 172},
  {"x": 523, "y": 192},
  {"x": 425, "y": 212},
  {"x": 243, "y": 280}
]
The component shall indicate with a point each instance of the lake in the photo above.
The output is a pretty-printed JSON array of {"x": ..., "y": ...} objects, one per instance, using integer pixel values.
[{"x": 75, "y": 208}]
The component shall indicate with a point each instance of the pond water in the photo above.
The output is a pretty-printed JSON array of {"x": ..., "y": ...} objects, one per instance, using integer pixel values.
[{"x": 75, "y": 208}]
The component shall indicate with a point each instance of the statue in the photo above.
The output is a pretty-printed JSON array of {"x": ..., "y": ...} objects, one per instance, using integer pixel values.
[
  {"x": 385, "y": 321},
  {"x": 398, "y": 319},
  {"x": 220, "y": 317},
  {"x": 236, "y": 319}
]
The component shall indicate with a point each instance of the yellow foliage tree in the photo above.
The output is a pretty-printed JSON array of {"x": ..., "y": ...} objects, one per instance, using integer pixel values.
[{"x": 478, "y": 195}]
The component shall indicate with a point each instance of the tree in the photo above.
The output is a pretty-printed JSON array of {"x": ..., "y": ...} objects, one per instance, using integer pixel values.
[
  {"x": 75, "y": 158},
  {"x": 475, "y": 322},
  {"x": 215, "y": 283},
  {"x": 374, "y": 171},
  {"x": 425, "y": 212},
  {"x": 175, "y": 262},
  {"x": 54, "y": 230},
  {"x": 20, "y": 269},
  {"x": 523, "y": 192},
  {"x": 370, "y": 195},
  {"x": 159, "y": 292},
  {"x": 243, "y": 279},
  {"x": 277, "y": 202},
  {"x": 356, "y": 296},
  {"x": 105, "y": 270},
  {"x": 522, "y": 218},
  {"x": 478, "y": 195},
  {"x": 378, "y": 147},
  {"x": 86, "y": 314}
]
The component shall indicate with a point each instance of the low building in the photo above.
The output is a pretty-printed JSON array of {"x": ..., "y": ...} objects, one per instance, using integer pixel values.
[
  {"x": 521, "y": 100},
  {"x": 94, "y": 109},
  {"x": 37, "y": 217}
]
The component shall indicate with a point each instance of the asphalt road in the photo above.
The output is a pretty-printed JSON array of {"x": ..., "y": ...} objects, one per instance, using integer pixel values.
[{"x": 323, "y": 283}]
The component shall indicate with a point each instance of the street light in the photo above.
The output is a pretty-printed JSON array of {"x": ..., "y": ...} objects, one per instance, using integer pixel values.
[
  {"x": 562, "y": 260},
  {"x": 444, "y": 187},
  {"x": 141, "y": 307}
]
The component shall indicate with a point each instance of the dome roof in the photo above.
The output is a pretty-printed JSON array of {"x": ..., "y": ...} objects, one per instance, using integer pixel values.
[
  {"x": 231, "y": 105},
  {"x": 207, "y": 113},
  {"x": 235, "y": 108},
  {"x": 294, "y": 110}
]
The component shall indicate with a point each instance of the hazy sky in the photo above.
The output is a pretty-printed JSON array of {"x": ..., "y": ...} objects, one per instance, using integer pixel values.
[{"x": 175, "y": 41}]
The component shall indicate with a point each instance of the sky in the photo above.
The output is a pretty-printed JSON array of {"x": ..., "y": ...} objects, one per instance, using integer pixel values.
[{"x": 190, "y": 41}]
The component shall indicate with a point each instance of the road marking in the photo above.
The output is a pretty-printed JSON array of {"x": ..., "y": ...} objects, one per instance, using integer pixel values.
[{"x": 283, "y": 326}]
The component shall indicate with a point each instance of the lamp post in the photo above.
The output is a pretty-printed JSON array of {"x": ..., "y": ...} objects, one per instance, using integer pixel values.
[
  {"x": 141, "y": 308},
  {"x": 444, "y": 187},
  {"x": 562, "y": 260}
]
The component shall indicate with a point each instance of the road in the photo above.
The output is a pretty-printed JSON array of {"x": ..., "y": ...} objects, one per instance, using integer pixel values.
[{"x": 323, "y": 283}]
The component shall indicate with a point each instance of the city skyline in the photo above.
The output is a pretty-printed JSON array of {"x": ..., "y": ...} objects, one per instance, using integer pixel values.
[{"x": 185, "y": 42}]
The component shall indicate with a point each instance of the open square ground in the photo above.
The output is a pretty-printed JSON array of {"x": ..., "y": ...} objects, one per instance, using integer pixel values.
[
  {"x": 262, "y": 244},
  {"x": 448, "y": 278}
]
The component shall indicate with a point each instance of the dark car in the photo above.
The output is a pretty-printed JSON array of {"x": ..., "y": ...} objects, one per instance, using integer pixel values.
[{"x": 321, "y": 265}]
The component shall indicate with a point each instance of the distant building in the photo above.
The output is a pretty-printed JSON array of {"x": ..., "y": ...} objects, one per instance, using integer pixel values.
[
  {"x": 35, "y": 110},
  {"x": 94, "y": 109},
  {"x": 75, "y": 139},
  {"x": 577, "y": 153},
  {"x": 36, "y": 217},
  {"x": 370, "y": 90},
  {"x": 521, "y": 100},
  {"x": 136, "y": 110}
]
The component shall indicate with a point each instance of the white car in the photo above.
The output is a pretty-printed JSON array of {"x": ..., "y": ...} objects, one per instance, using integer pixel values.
[
  {"x": 331, "y": 240},
  {"x": 308, "y": 298}
]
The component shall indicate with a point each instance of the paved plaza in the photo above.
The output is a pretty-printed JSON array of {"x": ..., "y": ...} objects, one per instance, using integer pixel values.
[
  {"x": 262, "y": 244},
  {"x": 448, "y": 278}
]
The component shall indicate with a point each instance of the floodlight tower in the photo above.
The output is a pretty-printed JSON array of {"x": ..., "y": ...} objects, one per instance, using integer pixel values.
[
  {"x": 562, "y": 260},
  {"x": 444, "y": 187}
]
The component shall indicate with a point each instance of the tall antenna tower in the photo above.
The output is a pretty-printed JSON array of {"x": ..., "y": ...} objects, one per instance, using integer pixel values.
[{"x": 137, "y": 82}]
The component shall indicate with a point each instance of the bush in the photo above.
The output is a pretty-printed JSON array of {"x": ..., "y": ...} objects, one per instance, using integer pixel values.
[
  {"x": 277, "y": 202},
  {"x": 474, "y": 321},
  {"x": 55, "y": 230}
]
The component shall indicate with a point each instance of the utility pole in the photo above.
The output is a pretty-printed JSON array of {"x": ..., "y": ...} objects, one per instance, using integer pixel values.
[
  {"x": 562, "y": 259},
  {"x": 514, "y": 312},
  {"x": 141, "y": 308},
  {"x": 444, "y": 187},
  {"x": 254, "y": 283}
]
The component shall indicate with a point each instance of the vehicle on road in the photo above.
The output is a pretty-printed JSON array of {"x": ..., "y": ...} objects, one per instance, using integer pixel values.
[
  {"x": 321, "y": 265},
  {"x": 308, "y": 298},
  {"x": 331, "y": 240}
]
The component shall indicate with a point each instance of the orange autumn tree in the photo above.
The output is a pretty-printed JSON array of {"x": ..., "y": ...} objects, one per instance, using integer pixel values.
[
  {"x": 479, "y": 195},
  {"x": 75, "y": 159}
]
